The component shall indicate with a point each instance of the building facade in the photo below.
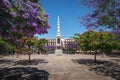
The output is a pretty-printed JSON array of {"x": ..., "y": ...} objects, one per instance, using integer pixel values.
[
  {"x": 67, "y": 41},
  {"x": 51, "y": 42}
]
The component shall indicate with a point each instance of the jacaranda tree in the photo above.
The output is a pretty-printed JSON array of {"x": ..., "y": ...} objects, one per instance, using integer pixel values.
[
  {"x": 105, "y": 15},
  {"x": 22, "y": 18},
  {"x": 5, "y": 18}
]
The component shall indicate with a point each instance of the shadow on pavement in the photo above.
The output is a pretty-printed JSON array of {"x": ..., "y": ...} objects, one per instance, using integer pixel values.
[
  {"x": 114, "y": 54},
  {"x": 106, "y": 68},
  {"x": 118, "y": 60},
  {"x": 32, "y": 62},
  {"x": 23, "y": 62},
  {"x": 23, "y": 73},
  {"x": 88, "y": 62},
  {"x": 2, "y": 61}
]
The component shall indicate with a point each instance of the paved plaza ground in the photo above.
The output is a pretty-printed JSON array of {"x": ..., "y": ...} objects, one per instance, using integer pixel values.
[{"x": 62, "y": 67}]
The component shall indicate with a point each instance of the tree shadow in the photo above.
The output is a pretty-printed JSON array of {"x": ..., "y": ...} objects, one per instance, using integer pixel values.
[
  {"x": 118, "y": 60},
  {"x": 6, "y": 61},
  {"x": 89, "y": 62},
  {"x": 23, "y": 73},
  {"x": 32, "y": 62},
  {"x": 106, "y": 68},
  {"x": 114, "y": 54}
]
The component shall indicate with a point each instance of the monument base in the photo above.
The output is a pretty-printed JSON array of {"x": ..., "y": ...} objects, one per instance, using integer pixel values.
[{"x": 59, "y": 52}]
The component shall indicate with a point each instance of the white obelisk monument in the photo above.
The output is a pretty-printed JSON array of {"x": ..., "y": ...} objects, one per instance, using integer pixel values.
[{"x": 58, "y": 50}]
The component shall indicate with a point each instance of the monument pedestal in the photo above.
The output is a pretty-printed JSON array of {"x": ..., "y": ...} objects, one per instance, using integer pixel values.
[{"x": 59, "y": 52}]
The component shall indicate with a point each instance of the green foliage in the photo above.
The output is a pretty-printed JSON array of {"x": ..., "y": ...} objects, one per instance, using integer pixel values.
[
  {"x": 106, "y": 47},
  {"x": 118, "y": 45},
  {"x": 35, "y": 43},
  {"x": 2, "y": 45},
  {"x": 29, "y": 43},
  {"x": 34, "y": 0},
  {"x": 97, "y": 41},
  {"x": 5, "y": 47},
  {"x": 40, "y": 44},
  {"x": 86, "y": 40},
  {"x": 10, "y": 48},
  {"x": 105, "y": 20}
]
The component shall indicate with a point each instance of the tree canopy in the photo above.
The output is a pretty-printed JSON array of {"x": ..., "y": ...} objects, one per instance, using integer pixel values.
[
  {"x": 22, "y": 18},
  {"x": 105, "y": 15},
  {"x": 97, "y": 41}
]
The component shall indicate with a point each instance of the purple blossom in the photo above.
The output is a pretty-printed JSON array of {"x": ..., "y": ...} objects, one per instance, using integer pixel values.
[
  {"x": 20, "y": 41},
  {"x": 21, "y": 25},
  {"x": 102, "y": 14},
  {"x": 46, "y": 15},
  {"x": 13, "y": 29},
  {"x": 41, "y": 30},
  {"x": 39, "y": 18},
  {"x": 21, "y": 9},
  {"x": 116, "y": 32},
  {"x": 45, "y": 47},
  {"x": 33, "y": 18},
  {"x": 48, "y": 26},
  {"x": 29, "y": 18},
  {"x": 6, "y": 3},
  {"x": 71, "y": 45},
  {"x": 29, "y": 23},
  {"x": 20, "y": 3},
  {"x": 31, "y": 11},
  {"x": 53, "y": 47},
  {"x": 29, "y": 5},
  {"x": 26, "y": 15},
  {"x": 0, "y": 33},
  {"x": 33, "y": 24},
  {"x": 14, "y": 14},
  {"x": 49, "y": 47}
]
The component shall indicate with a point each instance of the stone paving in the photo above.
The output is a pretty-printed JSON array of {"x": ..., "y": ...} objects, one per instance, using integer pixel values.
[{"x": 62, "y": 67}]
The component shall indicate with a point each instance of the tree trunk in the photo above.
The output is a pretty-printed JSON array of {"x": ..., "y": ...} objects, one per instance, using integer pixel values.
[
  {"x": 95, "y": 56},
  {"x": 29, "y": 54},
  {"x": 29, "y": 57}
]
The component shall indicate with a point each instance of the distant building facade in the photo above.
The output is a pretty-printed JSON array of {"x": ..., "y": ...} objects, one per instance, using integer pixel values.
[
  {"x": 51, "y": 42},
  {"x": 67, "y": 41}
]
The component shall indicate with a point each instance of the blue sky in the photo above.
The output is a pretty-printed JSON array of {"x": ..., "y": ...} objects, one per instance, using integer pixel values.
[{"x": 69, "y": 11}]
